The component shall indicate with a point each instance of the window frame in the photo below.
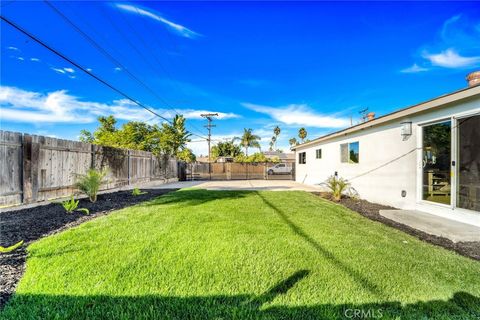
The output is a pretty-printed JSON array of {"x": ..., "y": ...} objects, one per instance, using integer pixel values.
[
  {"x": 302, "y": 157},
  {"x": 348, "y": 154},
  {"x": 317, "y": 153}
]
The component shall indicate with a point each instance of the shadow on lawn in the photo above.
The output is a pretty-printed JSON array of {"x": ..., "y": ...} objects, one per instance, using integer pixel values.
[
  {"x": 329, "y": 256},
  {"x": 461, "y": 306},
  {"x": 195, "y": 197}
]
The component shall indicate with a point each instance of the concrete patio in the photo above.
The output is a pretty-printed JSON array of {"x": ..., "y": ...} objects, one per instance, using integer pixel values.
[
  {"x": 270, "y": 185},
  {"x": 435, "y": 225}
]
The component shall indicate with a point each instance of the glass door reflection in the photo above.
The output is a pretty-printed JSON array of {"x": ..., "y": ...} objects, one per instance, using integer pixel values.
[{"x": 436, "y": 162}]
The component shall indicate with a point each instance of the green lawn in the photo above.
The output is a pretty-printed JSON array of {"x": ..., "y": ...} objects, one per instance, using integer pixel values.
[{"x": 197, "y": 254}]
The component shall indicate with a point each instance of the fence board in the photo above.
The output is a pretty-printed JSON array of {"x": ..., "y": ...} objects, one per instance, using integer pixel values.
[
  {"x": 10, "y": 167},
  {"x": 37, "y": 168}
]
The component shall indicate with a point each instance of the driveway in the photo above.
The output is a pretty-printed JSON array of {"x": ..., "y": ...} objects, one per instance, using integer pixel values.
[{"x": 271, "y": 185}]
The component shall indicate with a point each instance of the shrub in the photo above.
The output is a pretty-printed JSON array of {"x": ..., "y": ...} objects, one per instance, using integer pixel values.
[
  {"x": 137, "y": 192},
  {"x": 71, "y": 205},
  {"x": 90, "y": 183},
  {"x": 11, "y": 248},
  {"x": 337, "y": 186}
]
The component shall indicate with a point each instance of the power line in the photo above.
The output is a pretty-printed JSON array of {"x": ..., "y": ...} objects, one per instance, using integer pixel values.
[
  {"x": 105, "y": 52},
  {"x": 71, "y": 61},
  {"x": 114, "y": 60},
  {"x": 91, "y": 74},
  {"x": 151, "y": 50},
  {"x": 460, "y": 122}
]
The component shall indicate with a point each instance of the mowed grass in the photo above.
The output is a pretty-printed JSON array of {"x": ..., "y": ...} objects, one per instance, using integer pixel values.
[{"x": 196, "y": 254}]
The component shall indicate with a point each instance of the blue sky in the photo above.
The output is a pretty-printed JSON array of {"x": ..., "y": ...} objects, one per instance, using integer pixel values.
[{"x": 259, "y": 64}]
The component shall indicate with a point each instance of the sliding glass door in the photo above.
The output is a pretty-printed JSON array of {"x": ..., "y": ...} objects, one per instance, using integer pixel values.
[
  {"x": 436, "y": 161},
  {"x": 468, "y": 167}
]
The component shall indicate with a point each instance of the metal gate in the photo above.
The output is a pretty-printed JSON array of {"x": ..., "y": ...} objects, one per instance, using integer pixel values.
[{"x": 240, "y": 171}]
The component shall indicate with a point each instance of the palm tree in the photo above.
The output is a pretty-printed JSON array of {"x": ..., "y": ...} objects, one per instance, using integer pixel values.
[
  {"x": 293, "y": 142},
  {"x": 249, "y": 140},
  {"x": 302, "y": 134},
  {"x": 276, "y": 132},
  {"x": 274, "y": 143}
]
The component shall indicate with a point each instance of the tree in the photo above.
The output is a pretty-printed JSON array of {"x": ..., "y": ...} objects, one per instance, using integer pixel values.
[
  {"x": 270, "y": 144},
  {"x": 249, "y": 140},
  {"x": 186, "y": 155},
  {"x": 174, "y": 137},
  {"x": 86, "y": 136},
  {"x": 169, "y": 139},
  {"x": 293, "y": 142},
  {"x": 226, "y": 149},
  {"x": 302, "y": 134},
  {"x": 273, "y": 143},
  {"x": 276, "y": 132}
]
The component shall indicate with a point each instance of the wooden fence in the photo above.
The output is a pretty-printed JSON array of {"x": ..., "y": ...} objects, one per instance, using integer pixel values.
[
  {"x": 239, "y": 171},
  {"x": 37, "y": 168}
]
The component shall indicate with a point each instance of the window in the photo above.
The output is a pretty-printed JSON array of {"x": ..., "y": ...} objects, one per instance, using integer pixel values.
[
  {"x": 302, "y": 158},
  {"x": 318, "y": 153},
  {"x": 349, "y": 152},
  {"x": 280, "y": 165}
]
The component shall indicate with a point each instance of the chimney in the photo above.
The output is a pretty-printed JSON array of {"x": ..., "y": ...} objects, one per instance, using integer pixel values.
[
  {"x": 473, "y": 79},
  {"x": 370, "y": 116}
]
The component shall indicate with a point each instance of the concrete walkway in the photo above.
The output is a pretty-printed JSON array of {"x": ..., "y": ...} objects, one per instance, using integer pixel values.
[
  {"x": 270, "y": 185},
  {"x": 432, "y": 224}
]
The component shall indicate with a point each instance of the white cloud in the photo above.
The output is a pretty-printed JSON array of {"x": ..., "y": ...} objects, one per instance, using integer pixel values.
[
  {"x": 89, "y": 70},
  {"x": 59, "y": 70},
  {"x": 20, "y": 58},
  {"x": 177, "y": 28},
  {"x": 13, "y": 48},
  {"x": 19, "y": 105},
  {"x": 66, "y": 71},
  {"x": 35, "y": 59},
  {"x": 117, "y": 69},
  {"x": 458, "y": 34},
  {"x": 299, "y": 114},
  {"x": 451, "y": 59},
  {"x": 415, "y": 68}
]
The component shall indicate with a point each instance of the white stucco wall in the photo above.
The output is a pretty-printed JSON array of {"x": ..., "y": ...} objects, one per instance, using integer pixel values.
[{"x": 395, "y": 164}]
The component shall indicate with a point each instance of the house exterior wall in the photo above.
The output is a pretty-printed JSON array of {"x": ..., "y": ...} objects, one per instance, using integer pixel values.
[{"x": 388, "y": 164}]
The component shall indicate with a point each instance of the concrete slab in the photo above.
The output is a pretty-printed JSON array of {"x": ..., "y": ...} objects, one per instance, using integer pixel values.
[
  {"x": 270, "y": 185},
  {"x": 435, "y": 225}
]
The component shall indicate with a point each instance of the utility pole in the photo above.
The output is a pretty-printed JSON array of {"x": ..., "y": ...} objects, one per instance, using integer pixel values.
[{"x": 209, "y": 126}]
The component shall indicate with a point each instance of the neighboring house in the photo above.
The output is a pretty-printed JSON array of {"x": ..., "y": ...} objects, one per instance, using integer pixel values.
[
  {"x": 282, "y": 156},
  {"x": 425, "y": 157}
]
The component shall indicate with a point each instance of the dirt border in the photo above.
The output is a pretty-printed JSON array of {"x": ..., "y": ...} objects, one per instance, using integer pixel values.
[
  {"x": 470, "y": 249},
  {"x": 33, "y": 223}
]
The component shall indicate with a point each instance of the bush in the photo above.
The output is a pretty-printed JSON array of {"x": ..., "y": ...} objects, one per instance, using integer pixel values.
[
  {"x": 71, "y": 205},
  {"x": 337, "y": 186},
  {"x": 137, "y": 192},
  {"x": 90, "y": 183}
]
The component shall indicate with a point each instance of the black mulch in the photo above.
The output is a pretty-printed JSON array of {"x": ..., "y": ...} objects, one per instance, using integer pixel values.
[
  {"x": 34, "y": 223},
  {"x": 370, "y": 210}
]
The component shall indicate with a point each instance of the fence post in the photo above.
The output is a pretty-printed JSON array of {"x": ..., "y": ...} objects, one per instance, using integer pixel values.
[
  {"x": 30, "y": 155},
  {"x": 94, "y": 155},
  {"x": 128, "y": 166}
]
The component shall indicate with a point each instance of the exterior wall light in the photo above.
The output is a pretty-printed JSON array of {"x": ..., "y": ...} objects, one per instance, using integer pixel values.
[{"x": 406, "y": 129}]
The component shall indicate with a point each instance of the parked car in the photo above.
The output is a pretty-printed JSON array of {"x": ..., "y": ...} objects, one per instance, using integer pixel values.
[{"x": 280, "y": 168}]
